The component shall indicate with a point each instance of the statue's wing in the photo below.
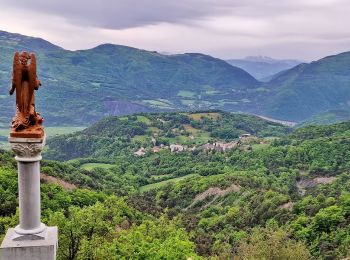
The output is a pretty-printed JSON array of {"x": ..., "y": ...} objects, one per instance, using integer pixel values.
[
  {"x": 32, "y": 76},
  {"x": 17, "y": 80}
]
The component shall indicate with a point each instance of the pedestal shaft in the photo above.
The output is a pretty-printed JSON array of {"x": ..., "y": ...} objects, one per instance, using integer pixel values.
[{"x": 29, "y": 195}]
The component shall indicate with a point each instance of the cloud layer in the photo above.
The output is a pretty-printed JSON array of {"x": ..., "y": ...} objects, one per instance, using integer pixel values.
[{"x": 225, "y": 28}]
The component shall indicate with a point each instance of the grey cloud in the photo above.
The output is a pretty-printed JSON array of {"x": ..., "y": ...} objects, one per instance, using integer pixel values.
[
  {"x": 122, "y": 14},
  {"x": 303, "y": 29}
]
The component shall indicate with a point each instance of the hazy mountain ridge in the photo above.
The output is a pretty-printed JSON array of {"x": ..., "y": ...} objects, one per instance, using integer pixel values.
[
  {"x": 263, "y": 68},
  {"x": 115, "y": 135}
]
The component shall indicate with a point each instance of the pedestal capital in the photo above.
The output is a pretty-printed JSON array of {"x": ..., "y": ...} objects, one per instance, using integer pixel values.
[{"x": 27, "y": 149}]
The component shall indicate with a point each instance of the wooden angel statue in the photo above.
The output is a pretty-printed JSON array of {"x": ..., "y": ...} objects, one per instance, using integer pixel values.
[{"x": 24, "y": 82}]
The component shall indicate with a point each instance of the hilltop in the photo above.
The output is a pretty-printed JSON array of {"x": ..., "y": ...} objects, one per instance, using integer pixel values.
[{"x": 113, "y": 136}]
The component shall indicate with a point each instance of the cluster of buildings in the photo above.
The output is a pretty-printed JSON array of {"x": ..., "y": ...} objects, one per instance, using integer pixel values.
[{"x": 175, "y": 148}]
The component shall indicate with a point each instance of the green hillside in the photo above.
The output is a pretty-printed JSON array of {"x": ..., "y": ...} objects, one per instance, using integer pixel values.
[
  {"x": 327, "y": 118},
  {"x": 93, "y": 224},
  {"x": 294, "y": 188},
  {"x": 285, "y": 197},
  {"x": 80, "y": 87},
  {"x": 310, "y": 89},
  {"x": 114, "y": 136},
  {"x": 277, "y": 195}
]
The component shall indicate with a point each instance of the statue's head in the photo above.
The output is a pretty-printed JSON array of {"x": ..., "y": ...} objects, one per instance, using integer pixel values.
[{"x": 24, "y": 58}]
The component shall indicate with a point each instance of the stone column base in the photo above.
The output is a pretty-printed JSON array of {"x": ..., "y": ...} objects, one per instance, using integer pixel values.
[{"x": 32, "y": 248}]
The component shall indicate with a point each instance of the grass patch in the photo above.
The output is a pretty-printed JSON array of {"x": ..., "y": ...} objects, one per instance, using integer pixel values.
[
  {"x": 212, "y": 92},
  {"x": 91, "y": 166},
  {"x": 55, "y": 130},
  {"x": 96, "y": 84},
  {"x": 159, "y": 177},
  {"x": 226, "y": 102},
  {"x": 50, "y": 130},
  {"x": 201, "y": 138},
  {"x": 163, "y": 183},
  {"x": 186, "y": 94},
  {"x": 165, "y": 101},
  {"x": 144, "y": 119},
  {"x": 208, "y": 88},
  {"x": 200, "y": 116},
  {"x": 140, "y": 138},
  {"x": 157, "y": 103},
  {"x": 5, "y": 132},
  {"x": 154, "y": 129},
  {"x": 257, "y": 147},
  {"x": 190, "y": 129},
  {"x": 181, "y": 139},
  {"x": 187, "y": 102}
]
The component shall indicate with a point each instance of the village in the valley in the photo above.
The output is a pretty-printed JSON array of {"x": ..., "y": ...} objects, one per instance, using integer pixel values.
[{"x": 217, "y": 146}]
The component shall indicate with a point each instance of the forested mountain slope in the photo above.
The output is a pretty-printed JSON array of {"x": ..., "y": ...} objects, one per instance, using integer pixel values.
[
  {"x": 80, "y": 87},
  {"x": 95, "y": 225},
  {"x": 309, "y": 89},
  {"x": 328, "y": 117}
]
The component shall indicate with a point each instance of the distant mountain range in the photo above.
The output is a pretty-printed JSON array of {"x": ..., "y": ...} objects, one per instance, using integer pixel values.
[
  {"x": 80, "y": 87},
  {"x": 263, "y": 68}
]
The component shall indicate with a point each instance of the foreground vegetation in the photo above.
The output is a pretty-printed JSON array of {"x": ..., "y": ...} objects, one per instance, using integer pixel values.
[{"x": 284, "y": 198}]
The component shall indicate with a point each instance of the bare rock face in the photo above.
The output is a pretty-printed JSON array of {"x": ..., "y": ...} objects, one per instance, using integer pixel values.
[
  {"x": 214, "y": 192},
  {"x": 303, "y": 185}
]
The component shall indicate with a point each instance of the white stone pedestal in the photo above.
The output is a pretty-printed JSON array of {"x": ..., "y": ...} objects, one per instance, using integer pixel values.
[
  {"x": 31, "y": 239},
  {"x": 39, "y": 249}
]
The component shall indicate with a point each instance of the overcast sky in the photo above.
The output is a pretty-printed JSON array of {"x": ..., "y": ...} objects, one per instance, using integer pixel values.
[{"x": 297, "y": 29}]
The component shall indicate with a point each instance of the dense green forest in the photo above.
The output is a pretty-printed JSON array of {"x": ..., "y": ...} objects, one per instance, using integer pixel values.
[
  {"x": 96, "y": 225},
  {"x": 328, "y": 117},
  {"x": 281, "y": 197},
  {"x": 309, "y": 89},
  {"x": 122, "y": 80}
]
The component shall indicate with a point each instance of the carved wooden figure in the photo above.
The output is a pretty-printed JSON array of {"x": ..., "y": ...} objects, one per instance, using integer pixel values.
[{"x": 27, "y": 122}]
